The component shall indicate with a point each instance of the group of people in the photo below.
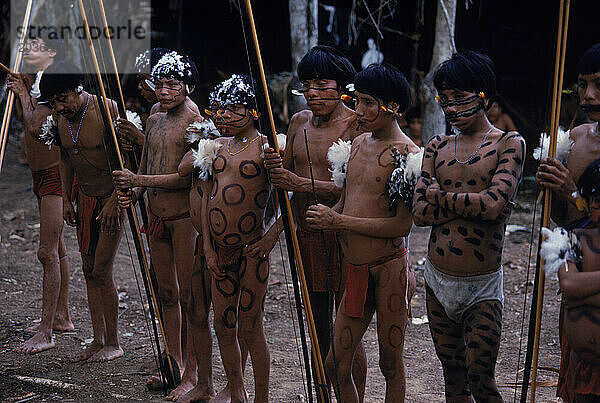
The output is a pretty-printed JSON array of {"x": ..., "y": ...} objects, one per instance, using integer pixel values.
[{"x": 358, "y": 186}]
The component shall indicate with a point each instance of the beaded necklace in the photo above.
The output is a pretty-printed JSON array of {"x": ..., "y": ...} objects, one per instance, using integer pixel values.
[
  {"x": 243, "y": 148},
  {"x": 76, "y": 138},
  {"x": 475, "y": 152}
]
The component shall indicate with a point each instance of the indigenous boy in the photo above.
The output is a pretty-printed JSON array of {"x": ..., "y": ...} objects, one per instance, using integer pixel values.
[
  {"x": 561, "y": 180},
  {"x": 465, "y": 193},
  {"x": 170, "y": 228},
  {"x": 39, "y": 54},
  {"x": 324, "y": 72},
  {"x": 235, "y": 245},
  {"x": 580, "y": 286},
  {"x": 371, "y": 235},
  {"x": 84, "y": 144}
]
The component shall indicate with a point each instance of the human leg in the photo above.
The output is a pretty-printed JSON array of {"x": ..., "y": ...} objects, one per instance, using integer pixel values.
[
  {"x": 482, "y": 326},
  {"x": 450, "y": 348},
  {"x": 50, "y": 230},
  {"x": 102, "y": 279},
  {"x": 62, "y": 318}
]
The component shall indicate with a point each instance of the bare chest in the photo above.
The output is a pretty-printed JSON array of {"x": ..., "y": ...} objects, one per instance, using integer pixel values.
[
  {"x": 585, "y": 151},
  {"x": 318, "y": 142},
  {"x": 166, "y": 146}
]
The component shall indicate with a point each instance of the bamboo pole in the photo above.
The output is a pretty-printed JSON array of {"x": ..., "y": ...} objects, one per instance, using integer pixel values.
[
  {"x": 289, "y": 228},
  {"x": 10, "y": 99}
]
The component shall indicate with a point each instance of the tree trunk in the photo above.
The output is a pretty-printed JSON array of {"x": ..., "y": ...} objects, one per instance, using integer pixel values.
[
  {"x": 303, "y": 28},
  {"x": 433, "y": 117}
]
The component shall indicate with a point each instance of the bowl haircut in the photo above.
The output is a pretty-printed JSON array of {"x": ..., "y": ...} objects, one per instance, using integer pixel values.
[
  {"x": 328, "y": 63},
  {"x": 385, "y": 82},
  {"x": 590, "y": 61},
  {"x": 60, "y": 78}
]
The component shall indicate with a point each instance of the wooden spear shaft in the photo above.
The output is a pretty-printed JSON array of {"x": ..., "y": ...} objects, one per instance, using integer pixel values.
[
  {"x": 559, "y": 68},
  {"x": 130, "y": 211},
  {"x": 320, "y": 372},
  {"x": 10, "y": 99}
]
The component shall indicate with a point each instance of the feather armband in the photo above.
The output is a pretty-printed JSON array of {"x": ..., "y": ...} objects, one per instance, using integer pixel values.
[
  {"x": 49, "y": 132},
  {"x": 281, "y": 142},
  {"x": 402, "y": 181},
  {"x": 201, "y": 130},
  {"x": 563, "y": 146},
  {"x": 204, "y": 157},
  {"x": 338, "y": 156},
  {"x": 558, "y": 247}
]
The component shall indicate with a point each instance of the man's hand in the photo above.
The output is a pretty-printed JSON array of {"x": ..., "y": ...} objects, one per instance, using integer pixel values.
[
  {"x": 552, "y": 174},
  {"x": 212, "y": 262},
  {"x": 69, "y": 213},
  {"x": 272, "y": 159},
  {"x": 126, "y": 198},
  {"x": 261, "y": 248},
  {"x": 129, "y": 133},
  {"x": 320, "y": 217},
  {"x": 110, "y": 216},
  {"x": 125, "y": 179},
  {"x": 16, "y": 85}
]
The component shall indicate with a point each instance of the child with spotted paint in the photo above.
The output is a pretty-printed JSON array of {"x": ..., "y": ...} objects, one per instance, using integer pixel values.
[
  {"x": 372, "y": 226},
  {"x": 236, "y": 246},
  {"x": 465, "y": 193},
  {"x": 170, "y": 229}
]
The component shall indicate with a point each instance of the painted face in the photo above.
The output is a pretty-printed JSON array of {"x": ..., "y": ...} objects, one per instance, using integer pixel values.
[
  {"x": 322, "y": 95},
  {"x": 369, "y": 113},
  {"x": 146, "y": 88},
  {"x": 231, "y": 119},
  {"x": 170, "y": 92},
  {"x": 36, "y": 53},
  {"x": 67, "y": 104},
  {"x": 461, "y": 108},
  {"x": 594, "y": 209},
  {"x": 588, "y": 88}
]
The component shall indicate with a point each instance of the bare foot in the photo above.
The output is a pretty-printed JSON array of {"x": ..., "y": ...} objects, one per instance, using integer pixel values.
[
  {"x": 154, "y": 383},
  {"x": 107, "y": 353},
  {"x": 59, "y": 325},
  {"x": 39, "y": 342},
  {"x": 200, "y": 393},
  {"x": 88, "y": 352},
  {"x": 184, "y": 387}
]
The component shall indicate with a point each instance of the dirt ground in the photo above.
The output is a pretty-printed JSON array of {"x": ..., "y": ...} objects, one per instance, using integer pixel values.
[{"x": 123, "y": 379}]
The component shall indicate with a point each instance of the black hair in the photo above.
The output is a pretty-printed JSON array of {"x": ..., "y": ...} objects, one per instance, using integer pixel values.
[
  {"x": 326, "y": 62},
  {"x": 385, "y": 82},
  {"x": 589, "y": 181},
  {"x": 172, "y": 64},
  {"x": 55, "y": 43},
  {"x": 412, "y": 113},
  {"x": 156, "y": 54},
  {"x": 467, "y": 71},
  {"x": 590, "y": 61},
  {"x": 60, "y": 78}
]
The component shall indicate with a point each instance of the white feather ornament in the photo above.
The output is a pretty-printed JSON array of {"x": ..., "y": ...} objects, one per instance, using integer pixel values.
[
  {"x": 563, "y": 146},
  {"x": 402, "y": 181},
  {"x": 557, "y": 247},
  {"x": 281, "y": 142},
  {"x": 134, "y": 118},
  {"x": 206, "y": 128},
  {"x": 49, "y": 132},
  {"x": 338, "y": 156},
  {"x": 204, "y": 157}
]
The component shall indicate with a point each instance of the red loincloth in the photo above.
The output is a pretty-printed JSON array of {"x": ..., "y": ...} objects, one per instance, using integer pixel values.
[
  {"x": 156, "y": 224},
  {"x": 88, "y": 228},
  {"x": 199, "y": 250},
  {"x": 357, "y": 283},
  {"x": 313, "y": 259},
  {"x": 47, "y": 182}
]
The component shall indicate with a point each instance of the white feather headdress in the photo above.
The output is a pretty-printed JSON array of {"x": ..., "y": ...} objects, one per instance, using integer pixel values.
[
  {"x": 563, "y": 146},
  {"x": 402, "y": 181},
  {"x": 49, "y": 132},
  {"x": 558, "y": 247},
  {"x": 338, "y": 156},
  {"x": 206, "y": 128},
  {"x": 204, "y": 157}
]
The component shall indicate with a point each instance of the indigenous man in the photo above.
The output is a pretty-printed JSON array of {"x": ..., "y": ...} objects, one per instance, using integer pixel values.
[
  {"x": 498, "y": 116},
  {"x": 130, "y": 135},
  {"x": 84, "y": 145},
  {"x": 324, "y": 72},
  {"x": 200, "y": 296},
  {"x": 561, "y": 180},
  {"x": 465, "y": 193},
  {"x": 371, "y": 229},
  {"x": 235, "y": 245},
  {"x": 170, "y": 228},
  {"x": 39, "y": 54}
]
